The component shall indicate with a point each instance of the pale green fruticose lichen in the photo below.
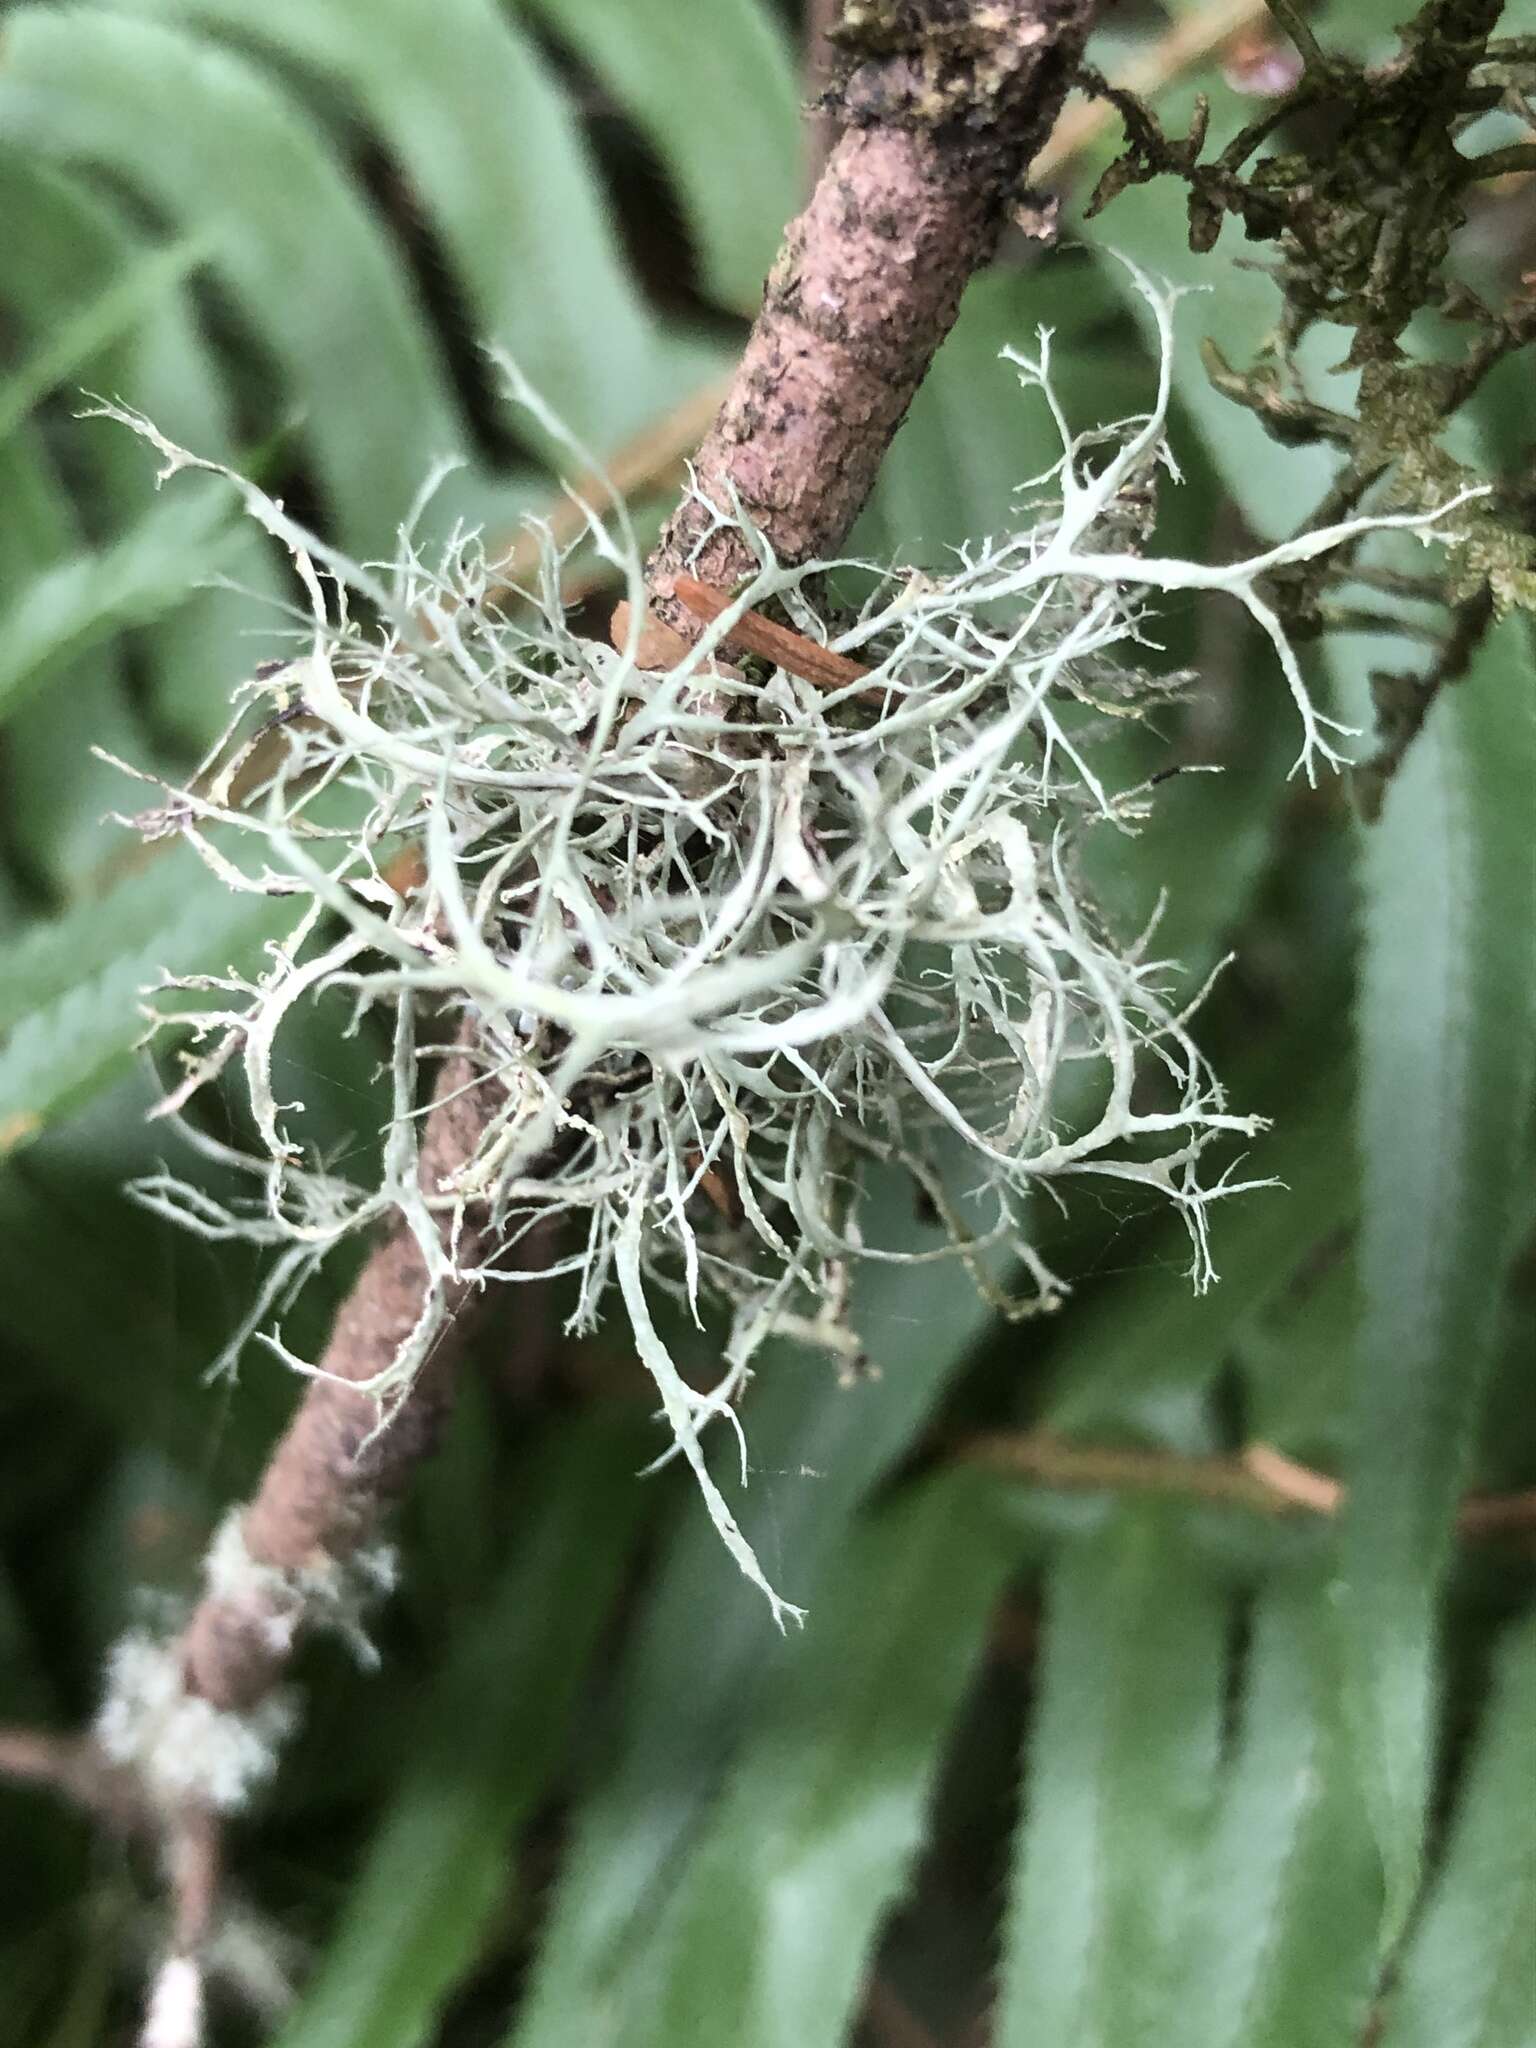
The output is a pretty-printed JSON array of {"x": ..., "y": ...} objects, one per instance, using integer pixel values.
[{"x": 724, "y": 929}]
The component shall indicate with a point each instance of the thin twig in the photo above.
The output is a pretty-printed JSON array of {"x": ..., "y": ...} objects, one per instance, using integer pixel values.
[
  {"x": 1112, "y": 1468},
  {"x": 753, "y": 633},
  {"x": 1191, "y": 40},
  {"x": 1262, "y": 1479},
  {"x": 1498, "y": 1514},
  {"x": 1291, "y": 1481},
  {"x": 652, "y": 462}
]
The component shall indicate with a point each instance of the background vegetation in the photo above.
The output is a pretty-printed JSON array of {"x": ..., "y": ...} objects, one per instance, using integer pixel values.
[{"x": 1108, "y": 1738}]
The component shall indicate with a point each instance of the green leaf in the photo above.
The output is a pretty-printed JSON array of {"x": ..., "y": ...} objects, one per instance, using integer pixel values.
[
  {"x": 1465, "y": 1981},
  {"x": 507, "y": 183},
  {"x": 69, "y": 1014},
  {"x": 712, "y": 85},
  {"x": 1117, "y": 1783},
  {"x": 69, "y": 251},
  {"x": 1279, "y": 1941},
  {"x": 229, "y": 159},
  {"x": 1445, "y": 1027},
  {"x": 110, "y": 1317},
  {"x": 491, "y": 1731},
  {"x": 113, "y": 312},
  {"x": 72, "y": 606},
  {"x": 55, "y": 793},
  {"x": 72, "y": 253},
  {"x": 701, "y": 1655},
  {"x": 765, "y": 1940},
  {"x": 1133, "y": 1347},
  {"x": 1294, "y": 1358}
]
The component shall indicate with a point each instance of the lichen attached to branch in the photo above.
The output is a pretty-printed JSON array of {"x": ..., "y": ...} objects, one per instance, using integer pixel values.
[{"x": 725, "y": 939}]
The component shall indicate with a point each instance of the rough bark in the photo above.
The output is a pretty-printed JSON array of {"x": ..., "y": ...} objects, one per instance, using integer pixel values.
[{"x": 946, "y": 103}]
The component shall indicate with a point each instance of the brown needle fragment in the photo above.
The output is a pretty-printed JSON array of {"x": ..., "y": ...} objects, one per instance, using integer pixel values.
[{"x": 785, "y": 648}]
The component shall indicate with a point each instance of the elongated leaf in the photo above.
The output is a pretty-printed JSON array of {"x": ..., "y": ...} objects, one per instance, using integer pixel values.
[
  {"x": 765, "y": 1942},
  {"x": 1445, "y": 1023},
  {"x": 1295, "y": 1360},
  {"x": 492, "y": 1729},
  {"x": 817, "y": 1448},
  {"x": 112, "y": 313},
  {"x": 1466, "y": 1981},
  {"x": 739, "y": 178},
  {"x": 491, "y": 151},
  {"x": 55, "y": 793},
  {"x": 71, "y": 607},
  {"x": 75, "y": 295},
  {"x": 69, "y": 251},
  {"x": 230, "y": 161},
  {"x": 1117, "y": 1782},
  {"x": 72, "y": 257},
  {"x": 1278, "y": 1946},
  {"x": 110, "y": 1317},
  {"x": 70, "y": 1014}
]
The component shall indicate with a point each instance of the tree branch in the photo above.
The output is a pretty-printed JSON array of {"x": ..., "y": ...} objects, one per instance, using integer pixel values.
[
  {"x": 946, "y": 105},
  {"x": 336, "y": 1468}
]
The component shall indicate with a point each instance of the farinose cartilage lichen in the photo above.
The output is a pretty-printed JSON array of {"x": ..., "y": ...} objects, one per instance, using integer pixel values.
[{"x": 727, "y": 939}]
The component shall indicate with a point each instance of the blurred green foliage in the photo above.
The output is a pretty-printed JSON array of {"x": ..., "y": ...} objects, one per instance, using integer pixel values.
[{"x": 1119, "y": 1771}]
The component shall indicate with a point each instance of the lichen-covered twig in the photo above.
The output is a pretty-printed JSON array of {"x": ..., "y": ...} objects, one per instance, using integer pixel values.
[
  {"x": 340, "y": 1462},
  {"x": 724, "y": 939},
  {"x": 946, "y": 103}
]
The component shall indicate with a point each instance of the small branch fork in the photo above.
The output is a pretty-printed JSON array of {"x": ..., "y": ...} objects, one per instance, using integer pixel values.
[{"x": 942, "y": 119}]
